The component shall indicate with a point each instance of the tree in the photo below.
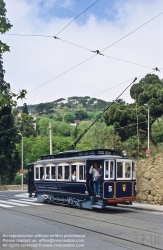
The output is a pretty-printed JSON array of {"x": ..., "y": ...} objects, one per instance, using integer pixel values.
[
  {"x": 149, "y": 90},
  {"x": 25, "y": 109},
  {"x": 81, "y": 114},
  {"x": 8, "y": 133},
  {"x": 69, "y": 117},
  {"x": 6, "y": 95},
  {"x": 27, "y": 125},
  {"x": 124, "y": 117}
]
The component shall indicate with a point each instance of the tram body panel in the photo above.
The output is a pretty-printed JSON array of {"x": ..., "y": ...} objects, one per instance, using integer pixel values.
[
  {"x": 123, "y": 189},
  {"x": 56, "y": 187}
]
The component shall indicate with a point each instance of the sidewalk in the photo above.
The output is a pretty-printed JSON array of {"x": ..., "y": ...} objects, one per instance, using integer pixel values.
[{"x": 147, "y": 207}]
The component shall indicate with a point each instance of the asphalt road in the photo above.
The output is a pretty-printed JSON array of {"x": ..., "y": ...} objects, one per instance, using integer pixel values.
[{"x": 26, "y": 224}]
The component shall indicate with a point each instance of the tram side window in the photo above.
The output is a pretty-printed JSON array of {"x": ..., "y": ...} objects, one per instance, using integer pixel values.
[
  {"x": 66, "y": 172},
  {"x": 73, "y": 172},
  {"x": 41, "y": 172},
  {"x": 47, "y": 173},
  {"x": 127, "y": 169},
  {"x": 37, "y": 173},
  {"x": 60, "y": 172},
  {"x": 119, "y": 169},
  {"x": 53, "y": 173},
  {"x": 82, "y": 172},
  {"x": 133, "y": 171}
]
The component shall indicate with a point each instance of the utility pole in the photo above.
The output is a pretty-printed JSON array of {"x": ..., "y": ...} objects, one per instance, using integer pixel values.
[
  {"x": 148, "y": 150},
  {"x": 22, "y": 173},
  {"x": 50, "y": 133}
]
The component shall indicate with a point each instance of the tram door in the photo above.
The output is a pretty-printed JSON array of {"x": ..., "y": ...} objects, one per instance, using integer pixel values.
[
  {"x": 31, "y": 186},
  {"x": 89, "y": 176}
]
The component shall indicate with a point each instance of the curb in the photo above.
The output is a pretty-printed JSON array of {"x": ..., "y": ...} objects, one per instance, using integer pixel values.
[{"x": 142, "y": 208}]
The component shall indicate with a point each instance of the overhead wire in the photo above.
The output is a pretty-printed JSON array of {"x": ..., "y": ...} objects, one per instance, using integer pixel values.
[
  {"x": 96, "y": 54},
  {"x": 62, "y": 28},
  {"x": 90, "y": 50},
  {"x": 77, "y": 17},
  {"x": 133, "y": 31},
  {"x": 86, "y": 130},
  {"x": 118, "y": 85}
]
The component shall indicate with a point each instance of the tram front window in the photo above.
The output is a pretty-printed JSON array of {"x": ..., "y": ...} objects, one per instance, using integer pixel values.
[
  {"x": 133, "y": 171},
  {"x": 107, "y": 170},
  {"x": 111, "y": 169},
  {"x": 127, "y": 170},
  {"x": 119, "y": 169}
]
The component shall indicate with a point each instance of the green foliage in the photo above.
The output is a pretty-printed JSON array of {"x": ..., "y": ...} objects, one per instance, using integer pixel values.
[
  {"x": 99, "y": 116},
  {"x": 91, "y": 115},
  {"x": 81, "y": 115},
  {"x": 27, "y": 125},
  {"x": 99, "y": 136},
  {"x": 64, "y": 129},
  {"x": 18, "y": 178},
  {"x": 157, "y": 130},
  {"x": 69, "y": 117},
  {"x": 25, "y": 109}
]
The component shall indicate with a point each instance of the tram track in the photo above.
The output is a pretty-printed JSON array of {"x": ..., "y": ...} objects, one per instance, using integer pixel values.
[
  {"x": 71, "y": 213},
  {"x": 47, "y": 220}
]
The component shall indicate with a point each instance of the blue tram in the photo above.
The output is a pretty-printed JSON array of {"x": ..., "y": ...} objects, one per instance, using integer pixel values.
[{"x": 64, "y": 178}]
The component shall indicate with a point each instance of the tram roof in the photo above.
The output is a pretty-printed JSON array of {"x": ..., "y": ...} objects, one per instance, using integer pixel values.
[{"x": 81, "y": 153}]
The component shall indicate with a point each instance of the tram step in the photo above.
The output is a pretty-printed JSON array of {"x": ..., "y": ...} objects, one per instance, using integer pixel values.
[{"x": 97, "y": 206}]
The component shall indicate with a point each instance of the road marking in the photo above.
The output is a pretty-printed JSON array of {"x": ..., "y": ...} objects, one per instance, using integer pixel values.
[
  {"x": 13, "y": 203},
  {"x": 6, "y": 206},
  {"x": 25, "y": 195},
  {"x": 26, "y": 202}
]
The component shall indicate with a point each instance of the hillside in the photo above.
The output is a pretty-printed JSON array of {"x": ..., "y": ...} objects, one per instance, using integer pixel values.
[{"x": 82, "y": 107}]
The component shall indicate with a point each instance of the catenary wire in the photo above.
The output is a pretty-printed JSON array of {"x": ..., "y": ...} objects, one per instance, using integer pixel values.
[
  {"x": 133, "y": 31},
  {"x": 77, "y": 17},
  {"x": 119, "y": 84},
  {"x": 96, "y": 54},
  {"x": 61, "y": 29}
]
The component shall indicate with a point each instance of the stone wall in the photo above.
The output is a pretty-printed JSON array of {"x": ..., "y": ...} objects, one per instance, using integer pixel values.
[
  {"x": 13, "y": 187},
  {"x": 149, "y": 175}
]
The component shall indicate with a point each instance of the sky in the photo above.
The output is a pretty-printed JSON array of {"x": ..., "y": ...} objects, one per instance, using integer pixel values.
[{"x": 50, "y": 69}]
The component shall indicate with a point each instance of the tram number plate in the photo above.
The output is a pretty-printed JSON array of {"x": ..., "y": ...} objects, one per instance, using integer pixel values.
[{"x": 110, "y": 188}]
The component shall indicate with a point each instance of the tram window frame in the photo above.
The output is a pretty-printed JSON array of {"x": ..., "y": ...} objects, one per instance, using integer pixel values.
[
  {"x": 47, "y": 173},
  {"x": 64, "y": 172},
  {"x": 72, "y": 167},
  {"x": 50, "y": 166},
  {"x": 109, "y": 170},
  {"x": 55, "y": 172},
  {"x": 123, "y": 164},
  {"x": 59, "y": 171},
  {"x": 84, "y": 172},
  {"x": 77, "y": 164},
  {"x": 38, "y": 168}
]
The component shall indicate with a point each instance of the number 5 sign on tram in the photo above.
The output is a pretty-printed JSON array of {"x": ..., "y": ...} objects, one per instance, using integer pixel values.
[{"x": 110, "y": 188}]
